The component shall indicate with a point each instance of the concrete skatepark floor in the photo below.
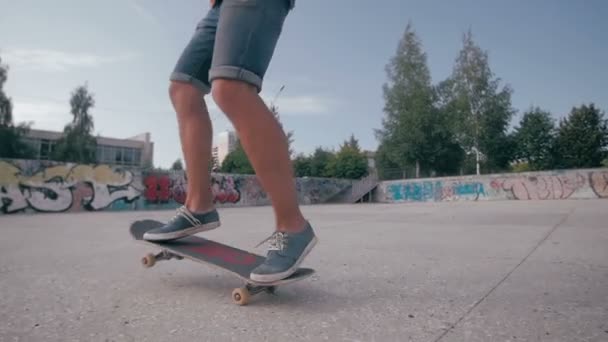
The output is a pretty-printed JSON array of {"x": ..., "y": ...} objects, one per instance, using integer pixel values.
[{"x": 460, "y": 271}]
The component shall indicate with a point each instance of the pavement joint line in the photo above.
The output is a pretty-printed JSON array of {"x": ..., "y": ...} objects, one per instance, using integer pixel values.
[{"x": 483, "y": 298}]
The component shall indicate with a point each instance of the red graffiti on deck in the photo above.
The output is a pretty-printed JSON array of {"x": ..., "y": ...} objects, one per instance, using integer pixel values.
[{"x": 225, "y": 254}]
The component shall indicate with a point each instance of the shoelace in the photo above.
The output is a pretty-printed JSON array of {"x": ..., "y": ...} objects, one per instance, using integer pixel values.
[
  {"x": 185, "y": 213},
  {"x": 277, "y": 241}
]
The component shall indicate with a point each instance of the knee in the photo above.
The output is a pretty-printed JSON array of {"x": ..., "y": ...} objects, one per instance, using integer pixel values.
[
  {"x": 185, "y": 96},
  {"x": 228, "y": 93}
]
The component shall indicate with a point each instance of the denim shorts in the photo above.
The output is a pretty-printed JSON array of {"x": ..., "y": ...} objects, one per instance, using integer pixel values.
[{"x": 235, "y": 40}]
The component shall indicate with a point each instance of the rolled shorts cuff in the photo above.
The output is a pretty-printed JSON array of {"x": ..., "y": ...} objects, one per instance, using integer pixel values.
[
  {"x": 181, "y": 77},
  {"x": 236, "y": 73}
]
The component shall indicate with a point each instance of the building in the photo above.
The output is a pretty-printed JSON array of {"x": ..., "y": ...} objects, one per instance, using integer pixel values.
[
  {"x": 226, "y": 143},
  {"x": 136, "y": 151}
]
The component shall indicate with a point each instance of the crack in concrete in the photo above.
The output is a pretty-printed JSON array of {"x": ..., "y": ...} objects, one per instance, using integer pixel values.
[{"x": 483, "y": 298}]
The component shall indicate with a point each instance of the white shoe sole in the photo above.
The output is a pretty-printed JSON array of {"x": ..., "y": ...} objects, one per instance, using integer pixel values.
[
  {"x": 269, "y": 278},
  {"x": 181, "y": 233}
]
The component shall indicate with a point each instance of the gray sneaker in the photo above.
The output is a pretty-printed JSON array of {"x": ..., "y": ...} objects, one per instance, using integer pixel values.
[
  {"x": 184, "y": 223},
  {"x": 285, "y": 254}
]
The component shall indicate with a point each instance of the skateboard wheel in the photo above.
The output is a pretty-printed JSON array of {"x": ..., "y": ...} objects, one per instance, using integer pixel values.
[
  {"x": 240, "y": 296},
  {"x": 149, "y": 260}
]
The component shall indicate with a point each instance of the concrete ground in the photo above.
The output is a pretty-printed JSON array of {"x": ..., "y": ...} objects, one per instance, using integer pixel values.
[{"x": 485, "y": 271}]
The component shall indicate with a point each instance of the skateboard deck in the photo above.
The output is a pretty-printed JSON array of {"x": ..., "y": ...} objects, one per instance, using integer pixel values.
[{"x": 228, "y": 258}]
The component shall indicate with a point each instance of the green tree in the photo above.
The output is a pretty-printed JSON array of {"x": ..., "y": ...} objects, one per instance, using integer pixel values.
[
  {"x": 387, "y": 168},
  {"x": 177, "y": 165},
  {"x": 582, "y": 138},
  {"x": 349, "y": 162},
  {"x": 6, "y": 105},
  {"x": 414, "y": 132},
  {"x": 320, "y": 163},
  {"x": 237, "y": 162},
  {"x": 11, "y": 135},
  {"x": 77, "y": 143},
  {"x": 289, "y": 135},
  {"x": 479, "y": 108},
  {"x": 302, "y": 166},
  {"x": 534, "y": 139}
]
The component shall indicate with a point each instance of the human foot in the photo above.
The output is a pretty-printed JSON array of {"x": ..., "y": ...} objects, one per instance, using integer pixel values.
[
  {"x": 183, "y": 224},
  {"x": 285, "y": 254}
]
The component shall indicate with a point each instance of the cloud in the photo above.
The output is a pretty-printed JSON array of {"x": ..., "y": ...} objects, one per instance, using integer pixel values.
[
  {"x": 57, "y": 61},
  {"x": 303, "y": 105},
  {"x": 43, "y": 114}
]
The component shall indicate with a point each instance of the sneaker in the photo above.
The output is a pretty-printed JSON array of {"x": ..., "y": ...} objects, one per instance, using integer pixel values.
[
  {"x": 183, "y": 224},
  {"x": 285, "y": 254}
]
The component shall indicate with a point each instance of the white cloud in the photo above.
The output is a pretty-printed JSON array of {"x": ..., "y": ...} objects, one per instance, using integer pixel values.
[
  {"x": 57, "y": 61},
  {"x": 303, "y": 105},
  {"x": 43, "y": 114}
]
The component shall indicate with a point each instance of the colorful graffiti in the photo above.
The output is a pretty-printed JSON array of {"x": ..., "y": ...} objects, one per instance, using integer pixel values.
[
  {"x": 551, "y": 185},
  {"x": 599, "y": 183},
  {"x": 46, "y": 186},
  {"x": 436, "y": 191},
  {"x": 541, "y": 187},
  {"x": 41, "y": 186},
  {"x": 64, "y": 187},
  {"x": 165, "y": 188}
]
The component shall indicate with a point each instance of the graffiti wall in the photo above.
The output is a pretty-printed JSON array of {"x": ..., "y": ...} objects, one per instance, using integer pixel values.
[
  {"x": 43, "y": 186},
  {"x": 169, "y": 190},
  {"x": 552, "y": 185},
  {"x": 52, "y": 187}
]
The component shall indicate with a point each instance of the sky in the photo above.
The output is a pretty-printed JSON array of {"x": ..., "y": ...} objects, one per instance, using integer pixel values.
[{"x": 331, "y": 59}]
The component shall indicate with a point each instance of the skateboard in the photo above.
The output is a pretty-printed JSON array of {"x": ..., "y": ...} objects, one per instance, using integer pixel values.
[{"x": 231, "y": 259}]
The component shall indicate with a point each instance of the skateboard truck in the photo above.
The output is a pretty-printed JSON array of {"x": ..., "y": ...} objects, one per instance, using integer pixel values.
[
  {"x": 150, "y": 259},
  {"x": 242, "y": 294}
]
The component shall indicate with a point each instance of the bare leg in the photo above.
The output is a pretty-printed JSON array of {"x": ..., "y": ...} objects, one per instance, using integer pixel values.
[
  {"x": 266, "y": 146},
  {"x": 196, "y": 139}
]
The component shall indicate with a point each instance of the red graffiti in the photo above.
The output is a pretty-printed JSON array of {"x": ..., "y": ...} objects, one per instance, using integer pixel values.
[
  {"x": 82, "y": 195},
  {"x": 164, "y": 188},
  {"x": 599, "y": 183},
  {"x": 226, "y": 254},
  {"x": 157, "y": 188},
  {"x": 225, "y": 190}
]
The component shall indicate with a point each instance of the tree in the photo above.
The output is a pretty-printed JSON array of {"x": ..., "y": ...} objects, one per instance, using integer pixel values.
[
  {"x": 535, "y": 138},
  {"x": 214, "y": 164},
  {"x": 480, "y": 109},
  {"x": 302, "y": 166},
  {"x": 289, "y": 135},
  {"x": 320, "y": 163},
  {"x": 77, "y": 143},
  {"x": 414, "y": 131},
  {"x": 11, "y": 142},
  {"x": 237, "y": 162},
  {"x": 387, "y": 168},
  {"x": 582, "y": 138},
  {"x": 349, "y": 162},
  {"x": 177, "y": 165},
  {"x": 6, "y": 105}
]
